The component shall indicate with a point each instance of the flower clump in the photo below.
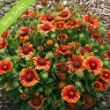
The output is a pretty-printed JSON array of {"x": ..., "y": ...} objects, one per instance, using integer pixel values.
[{"x": 55, "y": 58}]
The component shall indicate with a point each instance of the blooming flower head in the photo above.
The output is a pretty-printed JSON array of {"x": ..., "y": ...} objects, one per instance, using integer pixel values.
[
  {"x": 98, "y": 85},
  {"x": 95, "y": 35},
  {"x": 45, "y": 27},
  {"x": 62, "y": 67},
  {"x": 71, "y": 24},
  {"x": 88, "y": 100},
  {"x": 75, "y": 63},
  {"x": 70, "y": 94},
  {"x": 26, "y": 51},
  {"x": 64, "y": 14},
  {"x": 5, "y": 66},
  {"x": 37, "y": 102},
  {"x": 94, "y": 65},
  {"x": 6, "y": 34},
  {"x": 42, "y": 63},
  {"x": 63, "y": 50},
  {"x": 3, "y": 44},
  {"x": 60, "y": 25},
  {"x": 62, "y": 37},
  {"x": 28, "y": 77},
  {"x": 24, "y": 30},
  {"x": 47, "y": 18},
  {"x": 107, "y": 54},
  {"x": 108, "y": 35},
  {"x": 105, "y": 75},
  {"x": 61, "y": 75}
]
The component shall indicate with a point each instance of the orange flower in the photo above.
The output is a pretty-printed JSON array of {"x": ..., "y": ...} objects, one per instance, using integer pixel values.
[
  {"x": 105, "y": 75},
  {"x": 62, "y": 67},
  {"x": 28, "y": 77},
  {"x": 71, "y": 24},
  {"x": 95, "y": 35},
  {"x": 47, "y": 18},
  {"x": 3, "y": 44},
  {"x": 46, "y": 27},
  {"x": 62, "y": 37},
  {"x": 107, "y": 54},
  {"x": 25, "y": 30},
  {"x": 94, "y": 65},
  {"x": 37, "y": 102},
  {"x": 60, "y": 25},
  {"x": 42, "y": 63},
  {"x": 5, "y": 66},
  {"x": 6, "y": 34},
  {"x": 108, "y": 35},
  {"x": 61, "y": 75},
  {"x": 98, "y": 85},
  {"x": 70, "y": 94},
  {"x": 75, "y": 63},
  {"x": 64, "y": 14},
  {"x": 88, "y": 100},
  {"x": 26, "y": 51},
  {"x": 63, "y": 50}
]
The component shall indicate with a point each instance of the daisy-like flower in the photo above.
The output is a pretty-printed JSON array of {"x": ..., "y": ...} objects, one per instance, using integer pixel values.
[
  {"x": 98, "y": 85},
  {"x": 5, "y": 66},
  {"x": 62, "y": 67},
  {"x": 70, "y": 94},
  {"x": 25, "y": 30},
  {"x": 94, "y": 65},
  {"x": 71, "y": 24},
  {"x": 26, "y": 51},
  {"x": 60, "y": 25},
  {"x": 46, "y": 27},
  {"x": 47, "y": 18},
  {"x": 63, "y": 50},
  {"x": 95, "y": 35},
  {"x": 107, "y": 54},
  {"x": 105, "y": 75},
  {"x": 28, "y": 77},
  {"x": 37, "y": 102},
  {"x": 3, "y": 44},
  {"x": 42, "y": 63},
  {"x": 62, "y": 37},
  {"x": 64, "y": 14},
  {"x": 108, "y": 35},
  {"x": 88, "y": 100},
  {"x": 6, "y": 34},
  {"x": 75, "y": 63}
]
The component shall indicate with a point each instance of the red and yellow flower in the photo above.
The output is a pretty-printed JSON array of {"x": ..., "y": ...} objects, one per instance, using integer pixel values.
[
  {"x": 28, "y": 77},
  {"x": 105, "y": 75},
  {"x": 63, "y": 50},
  {"x": 45, "y": 27},
  {"x": 6, "y": 34},
  {"x": 71, "y": 24},
  {"x": 75, "y": 63},
  {"x": 108, "y": 35},
  {"x": 107, "y": 54},
  {"x": 70, "y": 94},
  {"x": 62, "y": 37},
  {"x": 47, "y": 18},
  {"x": 37, "y": 102},
  {"x": 60, "y": 25},
  {"x": 5, "y": 66},
  {"x": 26, "y": 51},
  {"x": 94, "y": 65},
  {"x": 88, "y": 100},
  {"x": 64, "y": 14},
  {"x": 98, "y": 85},
  {"x": 3, "y": 44},
  {"x": 42, "y": 63}
]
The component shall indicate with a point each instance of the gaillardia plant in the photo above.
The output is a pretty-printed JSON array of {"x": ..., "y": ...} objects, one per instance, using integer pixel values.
[{"x": 55, "y": 58}]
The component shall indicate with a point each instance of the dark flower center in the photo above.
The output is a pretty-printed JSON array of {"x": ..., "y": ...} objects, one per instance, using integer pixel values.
[
  {"x": 46, "y": 27},
  {"x": 5, "y": 67},
  {"x": 42, "y": 61},
  {"x": 106, "y": 75},
  {"x": 64, "y": 14},
  {"x": 71, "y": 94},
  {"x": 29, "y": 76},
  {"x": 37, "y": 101},
  {"x": 50, "y": 18},
  {"x": 26, "y": 50},
  {"x": 93, "y": 65}
]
